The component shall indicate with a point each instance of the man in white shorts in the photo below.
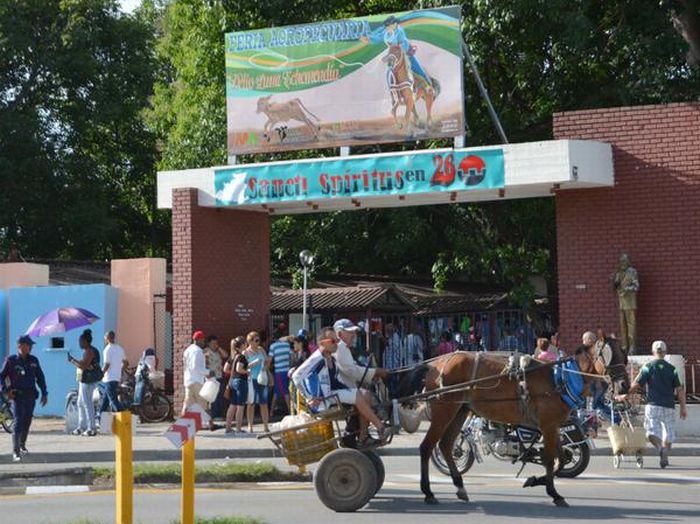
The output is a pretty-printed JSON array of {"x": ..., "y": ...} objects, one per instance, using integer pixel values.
[{"x": 662, "y": 382}]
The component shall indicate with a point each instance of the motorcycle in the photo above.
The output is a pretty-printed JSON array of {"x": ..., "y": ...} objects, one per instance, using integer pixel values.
[{"x": 480, "y": 437}]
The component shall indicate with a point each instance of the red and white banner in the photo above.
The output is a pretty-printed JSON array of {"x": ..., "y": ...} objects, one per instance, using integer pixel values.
[{"x": 185, "y": 427}]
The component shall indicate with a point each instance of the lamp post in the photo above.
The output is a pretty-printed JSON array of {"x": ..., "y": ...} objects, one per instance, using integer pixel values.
[{"x": 306, "y": 258}]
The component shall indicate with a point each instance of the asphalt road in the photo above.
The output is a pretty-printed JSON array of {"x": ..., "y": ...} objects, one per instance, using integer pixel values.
[{"x": 601, "y": 494}]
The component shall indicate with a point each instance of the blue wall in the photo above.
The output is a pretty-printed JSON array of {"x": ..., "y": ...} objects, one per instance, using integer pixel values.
[
  {"x": 4, "y": 346},
  {"x": 25, "y": 304}
]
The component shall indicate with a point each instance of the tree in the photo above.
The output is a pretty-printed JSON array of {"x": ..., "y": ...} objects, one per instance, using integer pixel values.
[{"x": 76, "y": 159}]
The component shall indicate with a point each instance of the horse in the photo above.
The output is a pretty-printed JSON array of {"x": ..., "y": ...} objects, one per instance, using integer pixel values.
[
  {"x": 406, "y": 89},
  {"x": 492, "y": 390}
]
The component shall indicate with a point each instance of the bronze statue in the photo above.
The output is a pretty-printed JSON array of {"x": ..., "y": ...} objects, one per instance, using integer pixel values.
[{"x": 626, "y": 284}]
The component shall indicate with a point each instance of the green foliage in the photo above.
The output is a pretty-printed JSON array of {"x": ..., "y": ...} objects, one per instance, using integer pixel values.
[
  {"x": 145, "y": 473},
  {"x": 93, "y": 101},
  {"x": 76, "y": 159}
]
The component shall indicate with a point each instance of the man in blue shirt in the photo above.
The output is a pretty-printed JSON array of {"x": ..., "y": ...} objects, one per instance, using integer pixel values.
[
  {"x": 391, "y": 33},
  {"x": 662, "y": 383},
  {"x": 280, "y": 352},
  {"x": 19, "y": 378}
]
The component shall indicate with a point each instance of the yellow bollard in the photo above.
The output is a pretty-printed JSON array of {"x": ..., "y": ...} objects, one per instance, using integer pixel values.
[
  {"x": 187, "y": 509},
  {"x": 121, "y": 427}
]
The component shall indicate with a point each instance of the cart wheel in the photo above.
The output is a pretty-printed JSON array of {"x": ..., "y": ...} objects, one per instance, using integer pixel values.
[
  {"x": 616, "y": 461},
  {"x": 345, "y": 480},
  {"x": 378, "y": 467},
  {"x": 640, "y": 460}
]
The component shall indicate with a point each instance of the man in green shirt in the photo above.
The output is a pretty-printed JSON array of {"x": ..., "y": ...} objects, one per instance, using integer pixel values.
[{"x": 663, "y": 384}]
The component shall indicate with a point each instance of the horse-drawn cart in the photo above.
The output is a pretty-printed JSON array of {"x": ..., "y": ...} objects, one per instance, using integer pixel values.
[{"x": 345, "y": 478}]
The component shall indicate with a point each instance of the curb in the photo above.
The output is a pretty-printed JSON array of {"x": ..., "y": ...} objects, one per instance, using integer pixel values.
[{"x": 173, "y": 455}]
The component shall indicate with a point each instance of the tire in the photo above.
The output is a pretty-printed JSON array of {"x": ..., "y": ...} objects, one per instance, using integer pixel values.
[
  {"x": 462, "y": 453},
  {"x": 578, "y": 457},
  {"x": 8, "y": 421},
  {"x": 378, "y": 467},
  {"x": 155, "y": 407},
  {"x": 345, "y": 480}
]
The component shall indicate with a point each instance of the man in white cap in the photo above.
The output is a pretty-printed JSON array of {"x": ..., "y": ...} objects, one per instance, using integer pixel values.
[
  {"x": 350, "y": 372},
  {"x": 662, "y": 382}
]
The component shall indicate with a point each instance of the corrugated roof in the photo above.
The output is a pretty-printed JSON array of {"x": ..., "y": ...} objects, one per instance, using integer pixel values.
[{"x": 357, "y": 298}]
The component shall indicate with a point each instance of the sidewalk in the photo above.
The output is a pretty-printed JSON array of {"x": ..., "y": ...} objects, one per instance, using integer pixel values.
[{"x": 51, "y": 447}]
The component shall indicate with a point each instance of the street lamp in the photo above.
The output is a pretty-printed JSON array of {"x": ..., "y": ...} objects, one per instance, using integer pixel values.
[{"x": 306, "y": 258}]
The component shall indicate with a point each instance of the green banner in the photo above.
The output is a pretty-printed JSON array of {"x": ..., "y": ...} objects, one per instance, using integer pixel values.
[{"x": 382, "y": 78}]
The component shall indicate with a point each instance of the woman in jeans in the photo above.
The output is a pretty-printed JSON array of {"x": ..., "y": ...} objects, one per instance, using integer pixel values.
[
  {"x": 90, "y": 375},
  {"x": 237, "y": 366},
  {"x": 258, "y": 362}
]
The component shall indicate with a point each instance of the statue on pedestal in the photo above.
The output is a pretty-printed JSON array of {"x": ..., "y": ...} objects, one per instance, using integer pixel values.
[{"x": 626, "y": 283}]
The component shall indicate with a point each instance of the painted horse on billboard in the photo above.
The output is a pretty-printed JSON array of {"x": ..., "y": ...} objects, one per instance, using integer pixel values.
[{"x": 407, "y": 80}]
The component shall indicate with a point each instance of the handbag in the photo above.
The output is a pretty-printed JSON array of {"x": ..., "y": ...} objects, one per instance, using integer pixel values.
[
  {"x": 263, "y": 378},
  {"x": 94, "y": 373}
]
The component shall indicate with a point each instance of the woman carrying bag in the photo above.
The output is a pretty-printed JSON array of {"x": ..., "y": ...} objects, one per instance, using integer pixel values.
[
  {"x": 91, "y": 374},
  {"x": 258, "y": 380},
  {"x": 237, "y": 388}
]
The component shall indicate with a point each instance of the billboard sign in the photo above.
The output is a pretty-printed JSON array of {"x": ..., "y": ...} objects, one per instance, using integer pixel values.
[
  {"x": 360, "y": 176},
  {"x": 381, "y": 78}
]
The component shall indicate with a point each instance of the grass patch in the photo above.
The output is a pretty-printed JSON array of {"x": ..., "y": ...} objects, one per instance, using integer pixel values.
[
  {"x": 198, "y": 520},
  {"x": 223, "y": 520},
  {"x": 170, "y": 473}
]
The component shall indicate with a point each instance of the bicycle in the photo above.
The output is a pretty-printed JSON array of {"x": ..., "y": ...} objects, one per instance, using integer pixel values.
[{"x": 7, "y": 420}]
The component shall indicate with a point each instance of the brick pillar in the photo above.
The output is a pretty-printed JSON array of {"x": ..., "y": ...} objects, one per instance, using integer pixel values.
[
  {"x": 221, "y": 274},
  {"x": 652, "y": 213}
]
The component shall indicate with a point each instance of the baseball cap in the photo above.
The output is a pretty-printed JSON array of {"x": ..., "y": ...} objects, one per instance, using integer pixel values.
[
  {"x": 659, "y": 345},
  {"x": 344, "y": 325},
  {"x": 198, "y": 334},
  {"x": 25, "y": 339}
]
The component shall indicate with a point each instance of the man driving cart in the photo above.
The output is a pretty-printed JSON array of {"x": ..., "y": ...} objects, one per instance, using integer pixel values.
[{"x": 332, "y": 372}]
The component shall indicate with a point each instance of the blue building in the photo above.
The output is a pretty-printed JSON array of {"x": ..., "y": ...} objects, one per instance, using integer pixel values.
[{"x": 20, "y": 306}]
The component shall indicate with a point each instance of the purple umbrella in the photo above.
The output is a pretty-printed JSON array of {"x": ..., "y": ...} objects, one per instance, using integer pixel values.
[{"x": 61, "y": 320}]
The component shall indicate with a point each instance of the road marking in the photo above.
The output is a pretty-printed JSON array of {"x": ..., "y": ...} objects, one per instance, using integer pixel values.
[{"x": 55, "y": 490}]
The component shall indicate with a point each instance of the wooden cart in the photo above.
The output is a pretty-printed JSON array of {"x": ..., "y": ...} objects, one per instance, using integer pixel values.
[{"x": 345, "y": 479}]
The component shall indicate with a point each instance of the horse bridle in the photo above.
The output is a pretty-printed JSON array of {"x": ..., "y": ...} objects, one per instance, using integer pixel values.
[{"x": 393, "y": 66}]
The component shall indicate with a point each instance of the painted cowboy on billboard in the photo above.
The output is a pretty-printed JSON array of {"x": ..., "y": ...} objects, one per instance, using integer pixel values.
[{"x": 409, "y": 84}]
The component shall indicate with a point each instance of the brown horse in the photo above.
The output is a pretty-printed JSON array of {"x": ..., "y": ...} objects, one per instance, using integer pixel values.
[
  {"x": 506, "y": 398},
  {"x": 406, "y": 89}
]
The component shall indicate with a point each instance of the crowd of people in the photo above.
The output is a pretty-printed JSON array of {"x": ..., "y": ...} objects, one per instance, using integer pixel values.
[
  {"x": 252, "y": 374},
  {"x": 250, "y": 377}
]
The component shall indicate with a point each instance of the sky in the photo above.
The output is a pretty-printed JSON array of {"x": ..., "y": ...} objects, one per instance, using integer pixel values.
[{"x": 129, "y": 5}]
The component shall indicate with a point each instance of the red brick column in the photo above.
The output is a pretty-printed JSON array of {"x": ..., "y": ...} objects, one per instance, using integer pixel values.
[
  {"x": 221, "y": 274},
  {"x": 652, "y": 213}
]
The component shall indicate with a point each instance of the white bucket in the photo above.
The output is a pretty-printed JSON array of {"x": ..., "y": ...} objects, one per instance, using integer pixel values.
[{"x": 209, "y": 390}]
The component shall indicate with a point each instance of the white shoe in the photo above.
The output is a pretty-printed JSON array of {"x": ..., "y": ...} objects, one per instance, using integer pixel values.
[{"x": 16, "y": 457}]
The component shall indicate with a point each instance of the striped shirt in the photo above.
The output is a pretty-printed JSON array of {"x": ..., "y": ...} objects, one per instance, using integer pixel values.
[{"x": 280, "y": 351}]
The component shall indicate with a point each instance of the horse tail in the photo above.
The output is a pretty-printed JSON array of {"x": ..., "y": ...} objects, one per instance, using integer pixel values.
[
  {"x": 413, "y": 381},
  {"x": 436, "y": 86},
  {"x": 303, "y": 107}
]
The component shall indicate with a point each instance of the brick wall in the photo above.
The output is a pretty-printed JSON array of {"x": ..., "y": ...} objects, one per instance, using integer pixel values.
[
  {"x": 652, "y": 213},
  {"x": 221, "y": 259}
]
